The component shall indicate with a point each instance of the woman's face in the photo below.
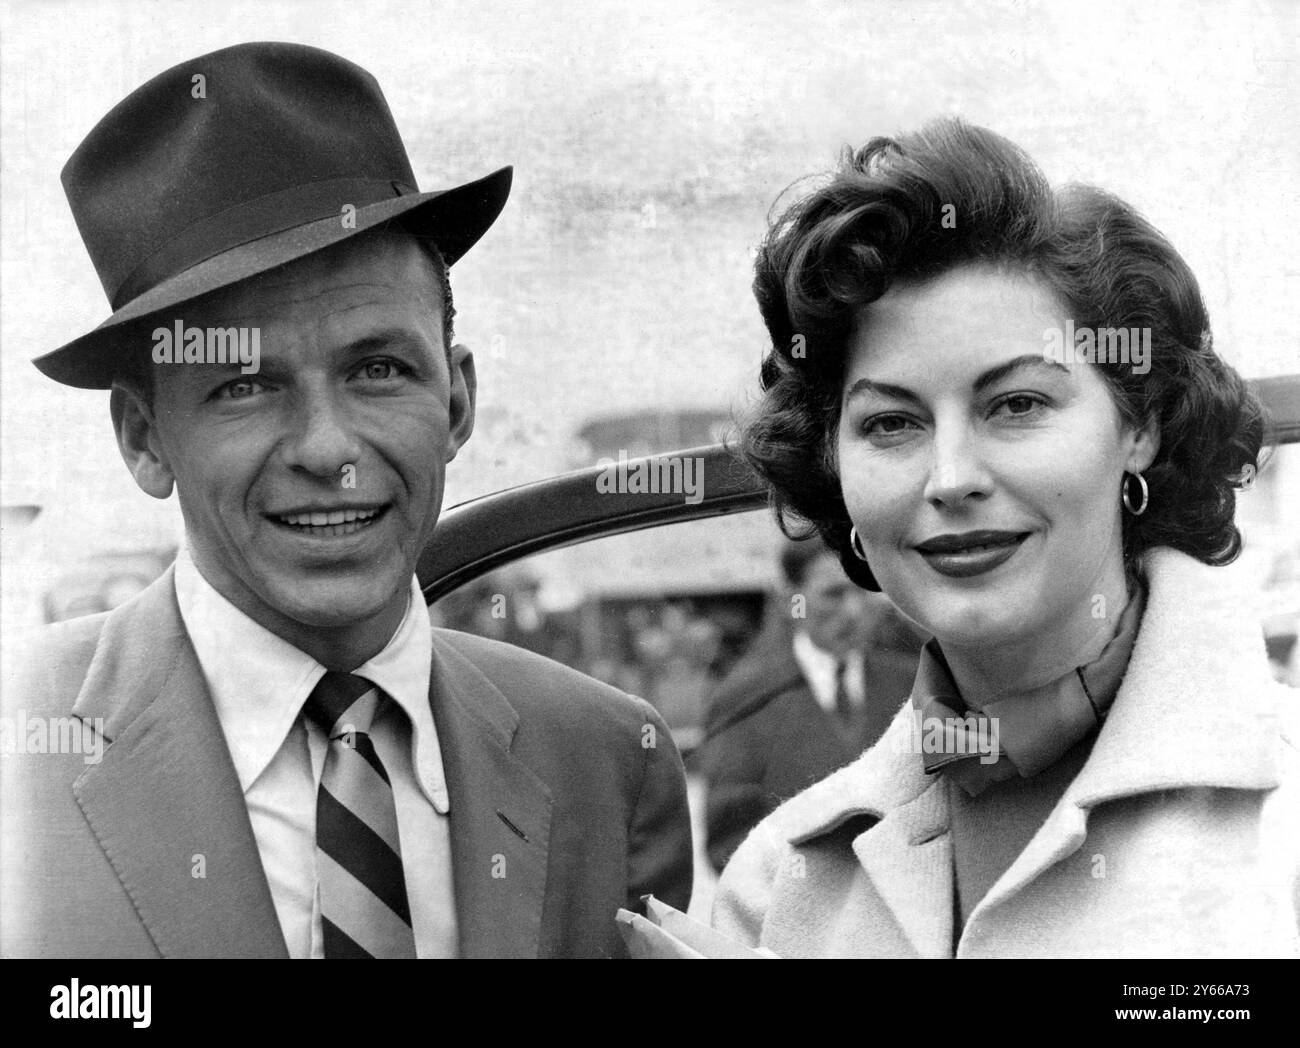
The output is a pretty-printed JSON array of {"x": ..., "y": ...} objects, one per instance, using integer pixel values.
[{"x": 983, "y": 477}]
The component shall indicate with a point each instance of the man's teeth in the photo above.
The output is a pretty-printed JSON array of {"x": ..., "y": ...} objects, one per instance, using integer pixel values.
[{"x": 337, "y": 516}]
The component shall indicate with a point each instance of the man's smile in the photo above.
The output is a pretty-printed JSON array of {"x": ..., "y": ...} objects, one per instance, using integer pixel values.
[{"x": 328, "y": 521}]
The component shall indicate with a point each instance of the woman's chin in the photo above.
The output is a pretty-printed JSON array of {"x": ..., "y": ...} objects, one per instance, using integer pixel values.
[
  {"x": 982, "y": 636},
  {"x": 957, "y": 615},
  {"x": 970, "y": 621}
]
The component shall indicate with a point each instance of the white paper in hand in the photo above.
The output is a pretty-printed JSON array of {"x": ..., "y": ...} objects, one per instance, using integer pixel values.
[{"x": 665, "y": 933}]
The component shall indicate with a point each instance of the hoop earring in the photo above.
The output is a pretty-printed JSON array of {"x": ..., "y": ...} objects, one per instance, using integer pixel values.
[
  {"x": 855, "y": 543},
  {"x": 1123, "y": 494}
]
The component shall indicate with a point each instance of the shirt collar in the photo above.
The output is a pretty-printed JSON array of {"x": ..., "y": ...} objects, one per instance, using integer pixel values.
[
  {"x": 402, "y": 669},
  {"x": 820, "y": 666},
  {"x": 260, "y": 691}
]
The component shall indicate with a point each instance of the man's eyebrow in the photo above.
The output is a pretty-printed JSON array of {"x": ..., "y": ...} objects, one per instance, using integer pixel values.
[
  {"x": 380, "y": 339},
  {"x": 988, "y": 378}
]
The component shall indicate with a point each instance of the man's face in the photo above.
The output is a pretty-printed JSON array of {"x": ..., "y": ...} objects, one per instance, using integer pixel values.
[
  {"x": 309, "y": 488},
  {"x": 839, "y": 614}
]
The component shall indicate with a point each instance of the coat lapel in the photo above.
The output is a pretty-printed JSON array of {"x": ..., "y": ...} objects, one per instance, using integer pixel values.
[
  {"x": 500, "y": 812},
  {"x": 165, "y": 804},
  {"x": 1168, "y": 729},
  {"x": 906, "y": 853}
]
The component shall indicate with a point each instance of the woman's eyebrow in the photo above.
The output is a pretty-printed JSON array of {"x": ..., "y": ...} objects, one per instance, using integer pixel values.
[
  {"x": 884, "y": 389},
  {"x": 1028, "y": 360},
  {"x": 988, "y": 378}
]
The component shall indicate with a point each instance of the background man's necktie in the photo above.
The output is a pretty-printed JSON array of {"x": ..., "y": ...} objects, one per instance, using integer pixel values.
[
  {"x": 843, "y": 704},
  {"x": 364, "y": 911}
]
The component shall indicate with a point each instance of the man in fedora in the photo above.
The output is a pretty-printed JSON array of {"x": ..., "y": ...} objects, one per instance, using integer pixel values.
[{"x": 290, "y": 761}]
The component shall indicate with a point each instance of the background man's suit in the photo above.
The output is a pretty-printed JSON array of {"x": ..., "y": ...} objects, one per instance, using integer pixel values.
[
  {"x": 767, "y": 738},
  {"x": 567, "y": 802}
]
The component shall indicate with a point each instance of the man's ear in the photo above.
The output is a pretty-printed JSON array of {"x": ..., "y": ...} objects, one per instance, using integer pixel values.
[
  {"x": 1146, "y": 443},
  {"x": 137, "y": 439},
  {"x": 464, "y": 392}
]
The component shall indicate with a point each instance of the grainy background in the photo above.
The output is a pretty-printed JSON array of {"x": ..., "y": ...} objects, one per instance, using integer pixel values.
[{"x": 649, "y": 146}]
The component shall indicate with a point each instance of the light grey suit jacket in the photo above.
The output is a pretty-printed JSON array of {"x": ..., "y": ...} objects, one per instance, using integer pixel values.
[{"x": 571, "y": 789}]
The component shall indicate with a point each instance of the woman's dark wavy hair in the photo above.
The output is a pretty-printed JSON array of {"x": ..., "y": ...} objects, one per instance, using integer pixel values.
[{"x": 881, "y": 219}]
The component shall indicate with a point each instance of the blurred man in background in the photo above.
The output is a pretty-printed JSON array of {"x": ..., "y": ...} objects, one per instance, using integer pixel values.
[{"x": 817, "y": 688}]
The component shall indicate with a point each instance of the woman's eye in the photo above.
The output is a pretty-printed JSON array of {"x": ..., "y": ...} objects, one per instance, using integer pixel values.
[
  {"x": 1020, "y": 404},
  {"x": 886, "y": 426}
]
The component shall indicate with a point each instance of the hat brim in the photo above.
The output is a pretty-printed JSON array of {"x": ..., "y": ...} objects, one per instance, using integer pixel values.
[{"x": 454, "y": 219}]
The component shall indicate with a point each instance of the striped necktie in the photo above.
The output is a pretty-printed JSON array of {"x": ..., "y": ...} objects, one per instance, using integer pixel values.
[{"x": 364, "y": 911}]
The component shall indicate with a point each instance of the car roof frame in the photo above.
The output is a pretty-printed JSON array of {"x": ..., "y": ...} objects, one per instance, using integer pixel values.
[{"x": 478, "y": 536}]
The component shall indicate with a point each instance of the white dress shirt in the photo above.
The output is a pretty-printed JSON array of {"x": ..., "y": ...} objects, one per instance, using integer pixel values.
[
  {"x": 259, "y": 684},
  {"x": 818, "y": 668}
]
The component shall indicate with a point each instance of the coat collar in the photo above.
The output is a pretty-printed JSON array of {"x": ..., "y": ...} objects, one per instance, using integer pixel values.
[{"x": 1191, "y": 712}]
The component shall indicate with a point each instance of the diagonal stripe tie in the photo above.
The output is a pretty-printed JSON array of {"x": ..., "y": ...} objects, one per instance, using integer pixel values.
[{"x": 364, "y": 911}]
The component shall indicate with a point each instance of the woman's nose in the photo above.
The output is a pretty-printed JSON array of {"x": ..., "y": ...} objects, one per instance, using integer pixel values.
[{"x": 957, "y": 468}]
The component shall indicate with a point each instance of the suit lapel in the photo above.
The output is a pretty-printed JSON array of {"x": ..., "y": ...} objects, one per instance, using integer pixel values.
[
  {"x": 500, "y": 812},
  {"x": 165, "y": 804}
]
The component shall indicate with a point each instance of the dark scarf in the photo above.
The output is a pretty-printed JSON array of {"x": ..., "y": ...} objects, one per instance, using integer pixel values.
[{"x": 1032, "y": 728}]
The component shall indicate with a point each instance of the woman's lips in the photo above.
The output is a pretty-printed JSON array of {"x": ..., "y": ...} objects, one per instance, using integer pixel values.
[{"x": 961, "y": 557}]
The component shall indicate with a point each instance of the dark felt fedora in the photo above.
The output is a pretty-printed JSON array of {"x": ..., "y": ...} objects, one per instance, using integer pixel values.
[{"x": 232, "y": 164}]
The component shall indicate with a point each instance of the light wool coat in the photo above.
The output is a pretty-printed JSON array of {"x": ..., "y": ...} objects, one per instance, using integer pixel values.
[{"x": 1180, "y": 837}]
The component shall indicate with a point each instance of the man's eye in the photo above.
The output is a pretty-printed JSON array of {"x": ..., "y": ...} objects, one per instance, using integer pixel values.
[
  {"x": 378, "y": 370},
  {"x": 238, "y": 389}
]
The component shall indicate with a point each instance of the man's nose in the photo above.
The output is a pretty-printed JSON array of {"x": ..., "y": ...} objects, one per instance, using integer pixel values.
[
  {"x": 321, "y": 436},
  {"x": 957, "y": 467}
]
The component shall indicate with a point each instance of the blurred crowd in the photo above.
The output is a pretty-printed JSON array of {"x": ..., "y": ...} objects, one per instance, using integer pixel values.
[{"x": 671, "y": 651}]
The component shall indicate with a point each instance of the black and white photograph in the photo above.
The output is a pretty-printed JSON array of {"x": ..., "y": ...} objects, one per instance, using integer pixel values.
[{"x": 702, "y": 480}]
